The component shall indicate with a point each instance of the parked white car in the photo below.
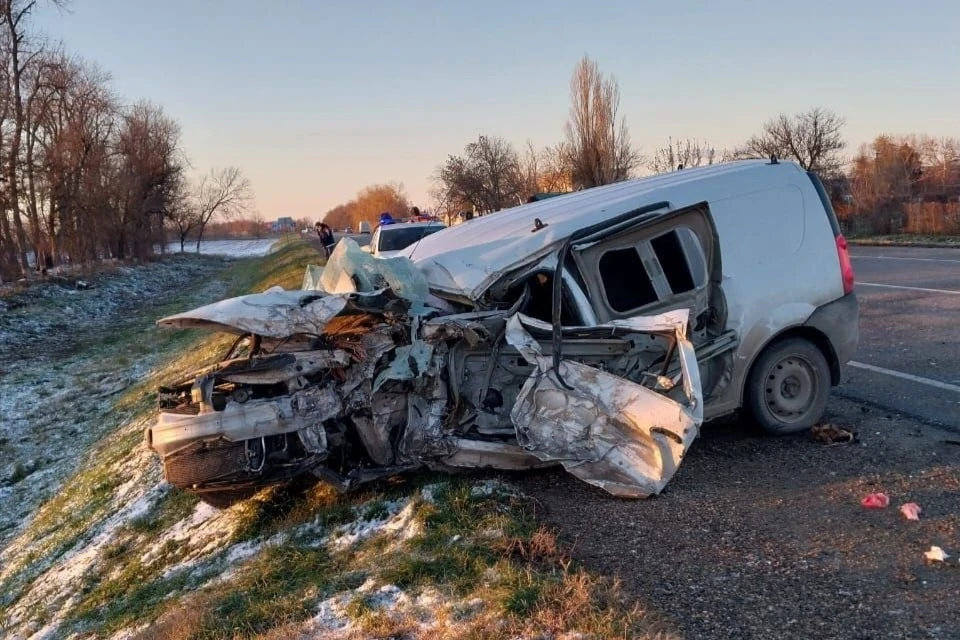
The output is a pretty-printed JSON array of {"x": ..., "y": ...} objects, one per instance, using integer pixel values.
[
  {"x": 595, "y": 330},
  {"x": 390, "y": 239}
]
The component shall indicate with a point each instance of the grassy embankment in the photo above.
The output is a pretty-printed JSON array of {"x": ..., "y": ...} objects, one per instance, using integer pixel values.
[{"x": 423, "y": 555}]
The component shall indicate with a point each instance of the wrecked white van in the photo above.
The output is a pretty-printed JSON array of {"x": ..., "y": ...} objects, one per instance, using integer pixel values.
[{"x": 595, "y": 330}]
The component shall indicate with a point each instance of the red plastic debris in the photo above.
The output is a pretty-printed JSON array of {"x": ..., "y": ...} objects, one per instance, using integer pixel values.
[{"x": 876, "y": 501}]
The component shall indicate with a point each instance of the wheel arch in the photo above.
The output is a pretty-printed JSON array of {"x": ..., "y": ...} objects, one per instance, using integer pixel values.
[{"x": 808, "y": 333}]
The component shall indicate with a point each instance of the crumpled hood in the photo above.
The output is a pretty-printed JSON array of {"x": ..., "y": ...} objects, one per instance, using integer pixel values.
[
  {"x": 275, "y": 313},
  {"x": 350, "y": 274}
]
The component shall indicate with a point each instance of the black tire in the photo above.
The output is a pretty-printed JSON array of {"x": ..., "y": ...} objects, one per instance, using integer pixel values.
[{"x": 788, "y": 387}]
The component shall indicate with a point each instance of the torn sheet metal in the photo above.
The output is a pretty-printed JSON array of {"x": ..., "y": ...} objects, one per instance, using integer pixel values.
[
  {"x": 606, "y": 430},
  {"x": 293, "y": 365},
  {"x": 350, "y": 269},
  {"x": 410, "y": 361},
  {"x": 311, "y": 278},
  {"x": 274, "y": 314},
  {"x": 365, "y": 375}
]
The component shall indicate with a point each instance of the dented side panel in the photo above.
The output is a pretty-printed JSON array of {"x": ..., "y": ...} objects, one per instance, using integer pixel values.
[{"x": 608, "y": 431}]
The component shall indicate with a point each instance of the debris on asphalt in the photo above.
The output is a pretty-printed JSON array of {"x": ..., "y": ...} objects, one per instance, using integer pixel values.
[
  {"x": 935, "y": 554},
  {"x": 910, "y": 510},
  {"x": 876, "y": 501},
  {"x": 832, "y": 434}
]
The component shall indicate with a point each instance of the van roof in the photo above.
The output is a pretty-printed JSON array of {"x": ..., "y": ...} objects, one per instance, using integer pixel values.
[{"x": 466, "y": 259}]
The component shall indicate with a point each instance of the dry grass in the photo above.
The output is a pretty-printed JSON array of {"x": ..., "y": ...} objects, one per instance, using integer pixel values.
[{"x": 456, "y": 577}]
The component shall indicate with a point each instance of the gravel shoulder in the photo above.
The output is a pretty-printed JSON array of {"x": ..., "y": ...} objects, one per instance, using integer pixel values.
[{"x": 765, "y": 537}]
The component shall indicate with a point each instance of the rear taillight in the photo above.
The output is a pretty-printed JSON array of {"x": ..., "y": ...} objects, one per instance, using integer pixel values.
[{"x": 846, "y": 267}]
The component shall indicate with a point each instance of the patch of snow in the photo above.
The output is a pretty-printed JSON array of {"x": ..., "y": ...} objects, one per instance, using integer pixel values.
[
  {"x": 232, "y": 248},
  {"x": 397, "y": 522},
  {"x": 488, "y": 488},
  {"x": 429, "y": 492}
]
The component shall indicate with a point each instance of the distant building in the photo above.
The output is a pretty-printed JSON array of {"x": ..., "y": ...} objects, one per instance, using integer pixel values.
[{"x": 282, "y": 225}]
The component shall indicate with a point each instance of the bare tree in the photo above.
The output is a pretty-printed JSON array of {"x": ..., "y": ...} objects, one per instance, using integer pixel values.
[
  {"x": 149, "y": 169},
  {"x": 677, "y": 155},
  {"x": 224, "y": 193},
  {"x": 598, "y": 149},
  {"x": 14, "y": 15},
  {"x": 183, "y": 217},
  {"x": 813, "y": 139},
  {"x": 486, "y": 177},
  {"x": 258, "y": 224},
  {"x": 544, "y": 170}
]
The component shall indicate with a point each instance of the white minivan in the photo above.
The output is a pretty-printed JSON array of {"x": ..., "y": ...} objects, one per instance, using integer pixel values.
[
  {"x": 595, "y": 330},
  {"x": 750, "y": 247}
]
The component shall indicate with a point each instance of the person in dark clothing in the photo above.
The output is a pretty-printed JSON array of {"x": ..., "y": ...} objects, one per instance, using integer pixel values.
[{"x": 326, "y": 237}]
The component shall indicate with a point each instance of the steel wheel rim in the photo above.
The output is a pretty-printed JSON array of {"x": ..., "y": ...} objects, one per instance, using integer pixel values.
[{"x": 790, "y": 389}]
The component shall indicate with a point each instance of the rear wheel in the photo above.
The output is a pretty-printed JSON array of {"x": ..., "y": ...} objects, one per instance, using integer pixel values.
[{"x": 788, "y": 386}]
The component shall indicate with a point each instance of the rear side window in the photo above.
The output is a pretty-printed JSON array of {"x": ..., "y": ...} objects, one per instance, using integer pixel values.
[
  {"x": 674, "y": 262},
  {"x": 625, "y": 281},
  {"x": 652, "y": 271}
]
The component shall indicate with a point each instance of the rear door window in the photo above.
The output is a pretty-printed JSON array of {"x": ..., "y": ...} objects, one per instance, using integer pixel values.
[{"x": 652, "y": 271}]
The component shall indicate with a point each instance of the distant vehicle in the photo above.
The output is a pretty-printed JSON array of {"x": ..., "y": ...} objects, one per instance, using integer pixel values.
[
  {"x": 364, "y": 227},
  {"x": 348, "y": 230},
  {"x": 389, "y": 240}
]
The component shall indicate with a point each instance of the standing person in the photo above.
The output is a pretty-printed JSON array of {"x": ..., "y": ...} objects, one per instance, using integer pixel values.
[{"x": 326, "y": 238}]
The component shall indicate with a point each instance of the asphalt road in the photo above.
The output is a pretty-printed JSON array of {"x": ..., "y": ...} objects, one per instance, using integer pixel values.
[{"x": 909, "y": 356}]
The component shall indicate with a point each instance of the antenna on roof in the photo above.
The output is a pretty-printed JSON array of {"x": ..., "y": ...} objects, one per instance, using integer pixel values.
[{"x": 773, "y": 159}]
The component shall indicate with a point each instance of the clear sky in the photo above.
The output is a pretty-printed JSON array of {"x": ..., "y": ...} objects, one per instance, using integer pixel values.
[{"x": 315, "y": 99}]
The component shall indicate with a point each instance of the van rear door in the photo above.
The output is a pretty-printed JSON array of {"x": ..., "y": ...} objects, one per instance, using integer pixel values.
[{"x": 671, "y": 261}]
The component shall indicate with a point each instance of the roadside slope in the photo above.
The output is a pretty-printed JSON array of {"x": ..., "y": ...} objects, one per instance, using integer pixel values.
[{"x": 116, "y": 552}]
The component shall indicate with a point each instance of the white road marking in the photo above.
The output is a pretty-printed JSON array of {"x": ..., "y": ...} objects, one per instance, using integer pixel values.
[
  {"x": 906, "y": 376},
  {"x": 903, "y": 258},
  {"x": 898, "y": 286}
]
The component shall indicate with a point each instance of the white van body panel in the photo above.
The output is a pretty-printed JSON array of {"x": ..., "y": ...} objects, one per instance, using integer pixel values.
[{"x": 778, "y": 250}]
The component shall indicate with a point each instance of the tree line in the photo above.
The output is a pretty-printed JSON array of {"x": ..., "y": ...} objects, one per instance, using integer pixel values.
[
  {"x": 894, "y": 184},
  {"x": 86, "y": 176}
]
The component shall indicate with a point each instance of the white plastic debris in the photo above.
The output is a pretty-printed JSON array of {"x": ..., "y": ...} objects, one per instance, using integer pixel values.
[{"x": 935, "y": 554}]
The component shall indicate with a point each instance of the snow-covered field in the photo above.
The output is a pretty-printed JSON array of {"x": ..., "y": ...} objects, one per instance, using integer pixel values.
[
  {"x": 61, "y": 370},
  {"x": 234, "y": 248}
]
